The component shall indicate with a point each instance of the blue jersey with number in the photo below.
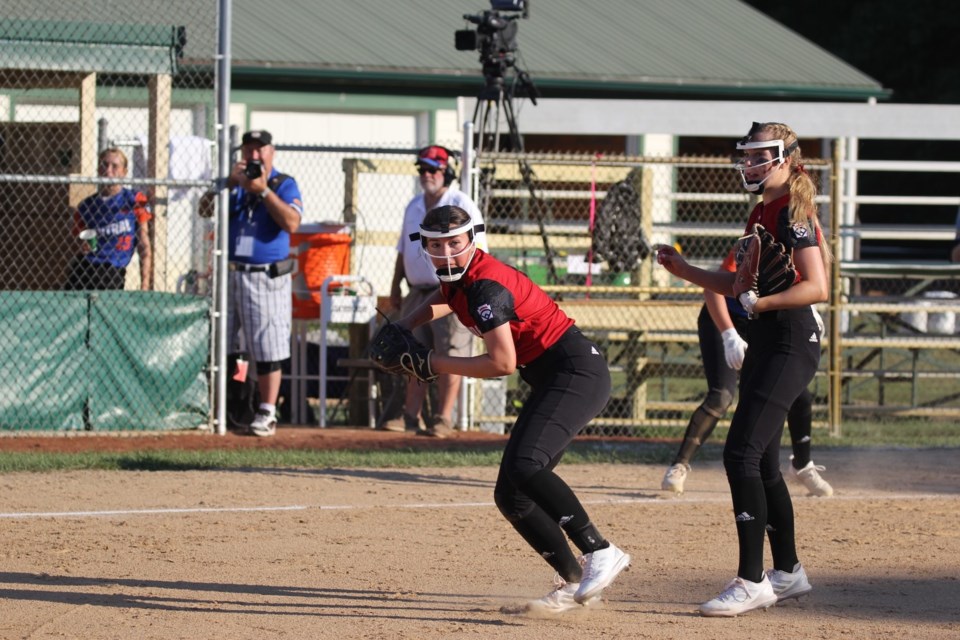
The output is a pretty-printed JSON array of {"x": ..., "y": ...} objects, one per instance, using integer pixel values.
[{"x": 115, "y": 220}]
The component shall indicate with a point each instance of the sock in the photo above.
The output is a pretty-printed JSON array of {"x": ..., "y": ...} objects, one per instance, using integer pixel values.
[
  {"x": 543, "y": 534},
  {"x": 800, "y": 425},
  {"x": 272, "y": 408},
  {"x": 780, "y": 526},
  {"x": 701, "y": 425},
  {"x": 588, "y": 539},
  {"x": 750, "y": 511}
]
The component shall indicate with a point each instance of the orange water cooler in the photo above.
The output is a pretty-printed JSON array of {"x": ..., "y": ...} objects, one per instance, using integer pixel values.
[{"x": 321, "y": 249}]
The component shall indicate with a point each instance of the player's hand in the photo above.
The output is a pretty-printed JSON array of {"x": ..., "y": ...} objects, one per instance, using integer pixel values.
[
  {"x": 748, "y": 300},
  {"x": 670, "y": 259},
  {"x": 734, "y": 348}
]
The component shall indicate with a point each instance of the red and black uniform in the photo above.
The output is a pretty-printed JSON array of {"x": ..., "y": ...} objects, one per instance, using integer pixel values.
[
  {"x": 781, "y": 361},
  {"x": 570, "y": 385}
]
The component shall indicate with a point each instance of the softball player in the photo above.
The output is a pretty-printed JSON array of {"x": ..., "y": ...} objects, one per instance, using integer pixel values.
[
  {"x": 721, "y": 326},
  {"x": 524, "y": 329},
  {"x": 784, "y": 338},
  {"x": 120, "y": 219},
  {"x": 265, "y": 208}
]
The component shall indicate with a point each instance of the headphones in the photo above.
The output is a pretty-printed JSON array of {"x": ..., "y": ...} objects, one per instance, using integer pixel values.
[{"x": 449, "y": 172}]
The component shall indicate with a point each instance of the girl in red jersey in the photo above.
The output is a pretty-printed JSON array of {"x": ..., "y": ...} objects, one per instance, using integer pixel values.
[
  {"x": 523, "y": 328},
  {"x": 784, "y": 338}
]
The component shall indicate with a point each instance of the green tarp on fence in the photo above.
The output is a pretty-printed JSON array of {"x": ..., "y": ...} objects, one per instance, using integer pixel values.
[{"x": 103, "y": 361}]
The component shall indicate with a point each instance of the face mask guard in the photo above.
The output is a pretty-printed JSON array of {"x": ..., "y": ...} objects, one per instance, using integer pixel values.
[
  {"x": 778, "y": 150},
  {"x": 451, "y": 272}
]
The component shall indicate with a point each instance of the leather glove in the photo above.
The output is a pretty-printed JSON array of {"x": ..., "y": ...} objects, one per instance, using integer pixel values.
[{"x": 734, "y": 348}]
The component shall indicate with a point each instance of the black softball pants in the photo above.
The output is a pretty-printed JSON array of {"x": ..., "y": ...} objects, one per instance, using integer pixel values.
[{"x": 570, "y": 385}]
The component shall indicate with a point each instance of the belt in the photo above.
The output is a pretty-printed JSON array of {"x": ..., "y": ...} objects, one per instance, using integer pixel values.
[{"x": 249, "y": 268}]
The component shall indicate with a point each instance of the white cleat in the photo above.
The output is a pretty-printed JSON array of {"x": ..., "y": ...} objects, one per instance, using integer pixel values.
[
  {"x": 789, "y": 585},
  {"x": 809, "y": 476},
  {"x": 600, "y": 568},
  {"x": 674, "y": 478},
  {"x": 560, "y": 600},
  {"x": 740, "y": 596}
]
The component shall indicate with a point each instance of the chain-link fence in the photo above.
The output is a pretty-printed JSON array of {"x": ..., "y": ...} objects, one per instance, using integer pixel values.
[
  {"x": 106, "y": 295},
  {"x": 581, "y": 226},
  {"x": 106, "y": 143}
]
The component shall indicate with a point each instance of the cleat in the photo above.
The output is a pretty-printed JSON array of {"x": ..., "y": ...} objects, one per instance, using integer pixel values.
[
  {"x": 809, "y": 476},
  {"x": 789, "y": 585},
  {"x": 264, "y": 423},
  {"x": 559, "y": 600},
  {"x": 440, "y": 427},
  {"x": 600, "y": 568},
  {"x": 674, "y": 478},
  {"x": 402, "y": 424},
  {"x": 740, "y": 596}
]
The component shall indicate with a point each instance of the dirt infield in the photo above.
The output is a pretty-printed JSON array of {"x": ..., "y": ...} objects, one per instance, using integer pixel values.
[{"x": 423, "y": 554}]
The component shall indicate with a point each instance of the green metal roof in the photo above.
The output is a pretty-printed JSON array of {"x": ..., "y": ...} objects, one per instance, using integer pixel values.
[
  {"x": 635, "y": 48},
  {"x": 52, "y": 45}
]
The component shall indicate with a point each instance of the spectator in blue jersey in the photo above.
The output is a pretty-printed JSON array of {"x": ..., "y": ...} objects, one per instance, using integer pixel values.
[
  {"x": 265, "y": 208},
  {"x": 118, "y": 221}
]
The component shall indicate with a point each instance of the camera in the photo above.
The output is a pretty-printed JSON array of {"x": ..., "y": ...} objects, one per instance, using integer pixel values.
[
  {"x": 495, "y": 36},
  {"x": 253, "y": 170}
]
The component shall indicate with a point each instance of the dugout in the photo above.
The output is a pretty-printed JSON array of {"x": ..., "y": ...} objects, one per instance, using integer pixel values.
[{"x": 49, "y": 167}]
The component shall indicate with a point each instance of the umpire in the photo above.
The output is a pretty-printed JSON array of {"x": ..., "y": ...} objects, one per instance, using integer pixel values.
[{"x": 265, "y": 208}]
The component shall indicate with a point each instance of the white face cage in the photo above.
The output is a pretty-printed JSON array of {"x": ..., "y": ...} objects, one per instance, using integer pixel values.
[
  {"x": 451, "y": 272},
  {"x": 779, "y": 153}
]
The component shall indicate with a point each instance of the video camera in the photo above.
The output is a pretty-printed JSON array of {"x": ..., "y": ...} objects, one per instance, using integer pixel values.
[{"x": 496, "y": 35}]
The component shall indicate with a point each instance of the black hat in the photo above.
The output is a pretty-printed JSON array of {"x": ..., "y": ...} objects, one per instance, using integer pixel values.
[{"x": 261, "y": 136}]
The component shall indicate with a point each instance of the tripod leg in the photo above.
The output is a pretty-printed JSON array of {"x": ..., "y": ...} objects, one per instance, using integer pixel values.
[{"x": 516, "y": 140}]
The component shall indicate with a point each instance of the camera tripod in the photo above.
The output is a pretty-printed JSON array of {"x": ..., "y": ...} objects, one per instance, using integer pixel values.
[{"x": 486, "y": 125}]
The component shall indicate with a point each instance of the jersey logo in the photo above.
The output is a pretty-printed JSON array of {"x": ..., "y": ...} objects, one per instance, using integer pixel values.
[
  {"x": 813, "y": 337},
  {"x": 485, "y": 312},
  {"x": 800, "y": 230}
]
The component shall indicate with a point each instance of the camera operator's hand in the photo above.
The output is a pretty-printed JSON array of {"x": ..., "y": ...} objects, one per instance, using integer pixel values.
[{"x": 239, "y": 177}]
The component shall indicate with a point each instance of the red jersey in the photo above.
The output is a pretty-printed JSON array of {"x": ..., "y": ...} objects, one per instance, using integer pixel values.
[
  {"x": 491, "y": 293},
  {"x": 775, "y": 218}
]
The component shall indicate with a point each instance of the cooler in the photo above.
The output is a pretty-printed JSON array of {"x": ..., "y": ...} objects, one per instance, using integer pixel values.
[{"x": 321, "y": 249}]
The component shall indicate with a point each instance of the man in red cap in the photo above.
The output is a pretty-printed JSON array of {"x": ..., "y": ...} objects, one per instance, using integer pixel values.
[{"x": 447, "y": 336}]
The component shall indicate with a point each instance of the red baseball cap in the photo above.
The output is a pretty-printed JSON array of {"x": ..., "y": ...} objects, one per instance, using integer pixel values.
[{"x": 434, "y": 156}]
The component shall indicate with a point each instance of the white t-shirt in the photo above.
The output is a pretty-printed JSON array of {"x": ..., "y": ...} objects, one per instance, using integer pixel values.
[{"x": 417, "y": 267}]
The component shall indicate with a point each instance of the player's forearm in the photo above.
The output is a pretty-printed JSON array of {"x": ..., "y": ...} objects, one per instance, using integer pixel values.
[{"x": 719, "y": 282}]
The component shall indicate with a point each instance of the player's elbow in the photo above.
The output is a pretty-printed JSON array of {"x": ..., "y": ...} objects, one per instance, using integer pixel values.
[
  {"x": 822, "y": 292},
  {"x": 502, "y": 367}
]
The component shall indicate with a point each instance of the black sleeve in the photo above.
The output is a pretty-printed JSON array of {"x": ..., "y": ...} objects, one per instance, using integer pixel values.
[
  {"x": 490, "y": 304},
  {"x": 795, "y": 235}
]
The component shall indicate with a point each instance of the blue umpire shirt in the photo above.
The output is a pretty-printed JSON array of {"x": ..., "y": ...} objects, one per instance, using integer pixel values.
[{"x": 255, "y": 238}]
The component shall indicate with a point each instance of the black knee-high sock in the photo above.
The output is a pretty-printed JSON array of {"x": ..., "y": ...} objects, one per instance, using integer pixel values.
[
  {"x": 780, "y": 526},
  {"x": 750, "y": 511},
  {"x": 557, "y": 499},
  {"x": 546, "y": 537},
  {"x": 701, "y": 425},
  {"x": 800, "y": 425}
]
